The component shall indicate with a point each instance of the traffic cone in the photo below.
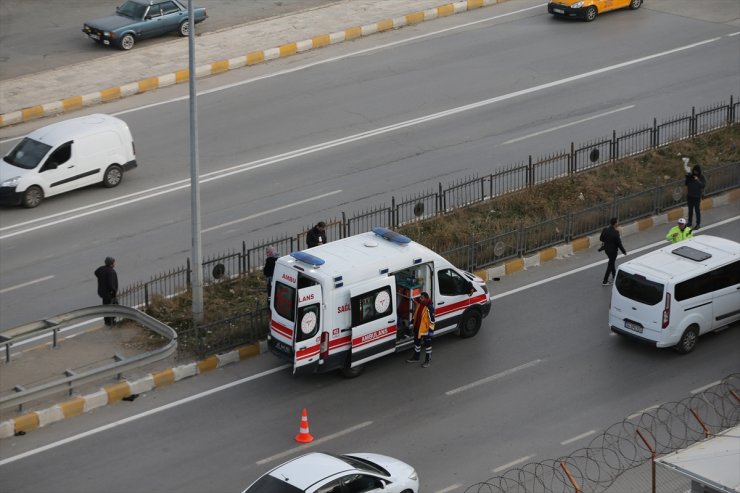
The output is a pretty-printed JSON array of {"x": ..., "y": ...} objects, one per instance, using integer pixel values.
[{"x": 303, "y": 435}]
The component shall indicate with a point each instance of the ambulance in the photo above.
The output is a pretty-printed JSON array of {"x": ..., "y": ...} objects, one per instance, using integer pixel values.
[{"x": 340, "y": 305}]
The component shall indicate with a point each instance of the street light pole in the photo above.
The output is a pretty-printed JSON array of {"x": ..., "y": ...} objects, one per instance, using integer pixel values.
[{"x": 197, "y": 265}]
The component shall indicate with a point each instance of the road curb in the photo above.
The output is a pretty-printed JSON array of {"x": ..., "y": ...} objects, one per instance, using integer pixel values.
[{"x": 251, "y": 58}]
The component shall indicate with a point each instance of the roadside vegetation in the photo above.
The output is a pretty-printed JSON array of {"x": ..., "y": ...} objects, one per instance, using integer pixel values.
[{"x": 230, "y": 298}]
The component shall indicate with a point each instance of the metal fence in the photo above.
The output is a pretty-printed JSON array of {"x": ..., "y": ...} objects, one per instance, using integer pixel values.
[{"x": 474, "y": 253}]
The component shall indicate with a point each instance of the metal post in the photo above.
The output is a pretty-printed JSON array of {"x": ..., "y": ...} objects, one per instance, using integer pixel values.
[
  {"x": 652, "y": 457},
  {"x": 194, "y": 175},
  {"x": 570, "y": 477}
]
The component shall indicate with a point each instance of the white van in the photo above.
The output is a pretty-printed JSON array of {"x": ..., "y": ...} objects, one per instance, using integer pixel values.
[
  {"x": 65, "y": 156},
  {"x": 342, "y": 304},
  {"x": 671, "y": 296}
]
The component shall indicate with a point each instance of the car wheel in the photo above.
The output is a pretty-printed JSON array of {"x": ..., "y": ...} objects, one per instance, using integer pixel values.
[
  {"x": 184, "y": 29},
  {"x": 32, "y": 197},
  {"x": 127, "y": 42},
  {"x": 113, "y": 176},
  {"x": 688, "y": 340},
  {"x": 469, "y": 325},
  {"x": 353, "y": 372},
  {"x": 590, "y": 14},
  {"x": 635, "y": 4}
]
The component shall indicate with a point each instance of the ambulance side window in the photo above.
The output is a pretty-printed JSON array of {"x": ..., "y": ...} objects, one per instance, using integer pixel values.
[
  {"x": 371, "y": 306},
  {"x": 451, "y": 283},
  {"x": 285, "y": 300}
]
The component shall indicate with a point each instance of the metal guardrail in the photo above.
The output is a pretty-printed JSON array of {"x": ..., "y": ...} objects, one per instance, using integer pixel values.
[{"x": 53, "y": 325}]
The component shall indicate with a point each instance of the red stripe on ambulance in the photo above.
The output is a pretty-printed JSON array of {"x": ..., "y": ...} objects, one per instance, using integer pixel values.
[
  {"x": 376, "y": 336},
  {"x": 282, "y": 329}
]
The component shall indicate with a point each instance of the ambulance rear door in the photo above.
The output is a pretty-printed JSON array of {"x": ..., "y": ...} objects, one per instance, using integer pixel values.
[
  {"x": 374, "y": 321},
  {"x": 307, "y": 334}
]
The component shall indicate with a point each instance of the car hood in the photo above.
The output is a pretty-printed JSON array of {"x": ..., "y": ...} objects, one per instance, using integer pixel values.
[
  {"x": 8, "y": 171},
  {"x": 111, "y": 22},
  {"x": 398, "y": 469}
]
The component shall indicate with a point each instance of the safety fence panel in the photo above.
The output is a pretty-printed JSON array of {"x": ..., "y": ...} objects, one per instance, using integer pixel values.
[
  {"x": 254, "y": 258},
  {"x": 592, "y": 155},
  {"x": 494, "y": 249},
  {"x": 416, "y": 208},
  {"x": 463, "y": 193},
  {"x": 544, "y": 234},
  {"x": 590, "y": 220},
  {"x": 223, "y": 266},
  {"x": 712, "y": 118},
  {"x": 550, "y": 168},
  {"x": 381, "y": 216},
  {"x": 633, "y": 142},
  {"x": 637, "y": 205},
  {"x": 672, "y": 131},
  {"x": 510, "y": 179},
  {"x": 141, "y": 294}
]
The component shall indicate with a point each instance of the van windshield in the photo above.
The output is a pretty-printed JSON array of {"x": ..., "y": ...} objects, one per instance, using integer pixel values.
[
  {"x": 638, "y": 288},
  {"x": 27, "y": 154}
]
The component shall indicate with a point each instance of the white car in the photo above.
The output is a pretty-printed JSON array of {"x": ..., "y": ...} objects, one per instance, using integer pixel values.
[{"x": 320, "y": 472}]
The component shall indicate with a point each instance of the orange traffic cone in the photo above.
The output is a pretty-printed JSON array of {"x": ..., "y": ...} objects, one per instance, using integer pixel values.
[{"x": 304, "y": 436}]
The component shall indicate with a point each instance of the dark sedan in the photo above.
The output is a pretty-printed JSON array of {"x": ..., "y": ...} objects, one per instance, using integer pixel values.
[{"x": 140, "y": 19}]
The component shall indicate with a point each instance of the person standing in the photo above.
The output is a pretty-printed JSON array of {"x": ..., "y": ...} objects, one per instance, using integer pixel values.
[
  {"x": 317, "y": 235},
  {"x": 271, "y": 256},
  {"x": 679, "y": 232},
  {"x": 695, "y": 183},
  {"x": 612, "y": 243},
  {"x": 423, "y": 329},
  {"x": 108, "y": 285}
]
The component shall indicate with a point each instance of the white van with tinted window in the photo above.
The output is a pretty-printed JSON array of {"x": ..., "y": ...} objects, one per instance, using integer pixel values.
[
  {"x": 673, "y": 295},
  {"x": 65, "y": 156}
]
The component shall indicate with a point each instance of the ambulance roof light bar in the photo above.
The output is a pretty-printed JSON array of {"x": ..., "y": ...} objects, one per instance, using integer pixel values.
[
  {"x": 391, "y": 236},
  {"x": 307, "y": 258}
]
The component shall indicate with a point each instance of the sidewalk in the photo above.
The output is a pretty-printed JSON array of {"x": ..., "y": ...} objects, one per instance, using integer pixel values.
[{"x": 120, "y": 74}]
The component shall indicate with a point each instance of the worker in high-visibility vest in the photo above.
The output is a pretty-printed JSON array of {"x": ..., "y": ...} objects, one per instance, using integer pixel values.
[
  {"x": 423, "y": 329},
  {"x": 679, "y": 232}
]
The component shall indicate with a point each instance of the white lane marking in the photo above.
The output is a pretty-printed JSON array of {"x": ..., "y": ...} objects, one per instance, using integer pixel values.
[
  {"x": 702, "y": 389},
  {"x": 600, "y": 262},
  {"x": 263, "y": 213},
  {"x": 512, "y": 463},
  {"x": 493, "y": 377},
  {"x": 640, "y": 413},
  {"x": 559, "y": 127},
  {"x": 733, "y": 34},
  {"x": 241, "y": 168},
  {"x": 139, "y": 416},
  {"x": 23, "y": 285},
  {"x": 576, "y": 438},
  {"x": 315, "y": 442},
  {"x": 450, "y": 488}
]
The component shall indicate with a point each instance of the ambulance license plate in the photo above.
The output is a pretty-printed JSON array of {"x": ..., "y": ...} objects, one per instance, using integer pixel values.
[{"x": 632, "y": 326}]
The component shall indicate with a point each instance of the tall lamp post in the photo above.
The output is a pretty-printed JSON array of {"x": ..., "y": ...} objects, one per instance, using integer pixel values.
[{"x": 197, "y": 278}]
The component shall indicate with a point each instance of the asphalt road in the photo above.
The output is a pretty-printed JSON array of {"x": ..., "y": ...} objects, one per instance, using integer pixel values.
[
  {"x": 24, "y": 51},
  {"x": 345, "y": 128},
  {"x": 542, "y": 378}
]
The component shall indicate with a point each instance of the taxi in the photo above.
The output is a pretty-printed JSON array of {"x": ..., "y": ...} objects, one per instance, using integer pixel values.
[{"x": 589, "y": 9}]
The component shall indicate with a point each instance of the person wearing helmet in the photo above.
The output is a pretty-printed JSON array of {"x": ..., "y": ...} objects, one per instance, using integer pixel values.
[{"x": 679, "y": 232}]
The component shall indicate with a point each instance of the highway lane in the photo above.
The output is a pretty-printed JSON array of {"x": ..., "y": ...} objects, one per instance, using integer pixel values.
[
  {"x": 525, "y": 85},
  {"x": 542, "y": 378}
]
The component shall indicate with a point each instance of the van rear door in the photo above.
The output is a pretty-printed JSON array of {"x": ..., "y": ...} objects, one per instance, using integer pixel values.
[
  {"x": 374, "y": 323},
  {"x": 307, "y": 333}
]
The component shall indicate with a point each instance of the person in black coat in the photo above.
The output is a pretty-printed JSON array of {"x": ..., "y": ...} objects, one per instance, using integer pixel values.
[
  {"x": 108, "y": 285},
  {"x": 271, "y": 256},
  {"x": 611, "y": 244},
  {"x": 317, "y": 235},
  {"x": 695, "y": 183}
]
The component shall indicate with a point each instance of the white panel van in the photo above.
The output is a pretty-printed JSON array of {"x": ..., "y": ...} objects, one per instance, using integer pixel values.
[
  {"x": 65, "y": 156},
  {"x": 342, "y": 304},
  {"x": 671, "y": 296}
]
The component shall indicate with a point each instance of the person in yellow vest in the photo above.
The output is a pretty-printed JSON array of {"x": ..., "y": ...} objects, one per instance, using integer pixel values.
[
  {"x": 679, "y": 232},
  {"x": 423, "y": 329}
]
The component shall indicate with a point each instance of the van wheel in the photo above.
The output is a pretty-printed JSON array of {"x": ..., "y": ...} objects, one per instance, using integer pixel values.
[
  {"x": 32, "y": 197},
  {"x": 113, "y": 176},
  {"x": 635, "y": 4},
  {"x": 127, "y": 42},
  {"x": 469, "y": 325},
  {"x": 590, "y": 14},
  {"x": 353, "y": 372},
  {"x": 184, "y": 29},
  {"x": 688, "y": 340}
]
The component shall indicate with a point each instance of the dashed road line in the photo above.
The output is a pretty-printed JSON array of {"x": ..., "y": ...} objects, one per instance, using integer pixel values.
[
  {"x": 576, "y": 438},
  {"x": 513, "y": 463},
  {"x": 493, "y": 377}
]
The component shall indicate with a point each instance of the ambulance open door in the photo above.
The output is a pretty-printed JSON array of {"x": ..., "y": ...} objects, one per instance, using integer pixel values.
[
  {"x": 308, "y": 321},
  {"x": 374, "y": 321}
]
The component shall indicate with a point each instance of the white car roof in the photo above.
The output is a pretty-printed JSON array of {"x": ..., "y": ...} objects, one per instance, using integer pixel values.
[
  {"x": 302, "y": 471},
  {"x": 64, "y": 131}
]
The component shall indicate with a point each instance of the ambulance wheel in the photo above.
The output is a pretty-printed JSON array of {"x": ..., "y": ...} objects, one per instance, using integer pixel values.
[
  {"x": 470, "y": 324},
  {"x": 352, "y": 372},
  {"x": 32, "y": 197},
  {"x": 688, "y": 340}
]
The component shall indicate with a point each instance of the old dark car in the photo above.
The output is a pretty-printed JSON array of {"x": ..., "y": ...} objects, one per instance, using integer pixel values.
[{"x": 140, "y": 19}]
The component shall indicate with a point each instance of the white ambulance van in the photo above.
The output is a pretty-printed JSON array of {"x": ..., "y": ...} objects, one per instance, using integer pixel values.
[
  {"x": 65, "y": 156},
  {"x": 671, "y": 296},
  {"x": 339, "y": 305}
]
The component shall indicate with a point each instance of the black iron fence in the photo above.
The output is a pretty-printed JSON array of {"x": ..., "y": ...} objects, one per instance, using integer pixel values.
[{"x": 475, "y": 253}]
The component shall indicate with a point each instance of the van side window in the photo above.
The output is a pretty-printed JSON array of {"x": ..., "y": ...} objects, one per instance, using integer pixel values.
[
  {"x": 364, "y": 308},
  {"x": 720, "y": 278},
  {"x": 60, "y": 156},
  {"x": 451, "y": 283}
]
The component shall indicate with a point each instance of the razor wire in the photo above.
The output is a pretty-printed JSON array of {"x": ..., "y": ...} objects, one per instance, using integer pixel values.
[{"x": 627, "y": 444}]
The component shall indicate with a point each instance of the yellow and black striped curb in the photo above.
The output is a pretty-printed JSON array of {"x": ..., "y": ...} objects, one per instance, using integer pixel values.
[
  {"x": 114, "y": 393},
  {"x": 251, "y": 58},
  {"x": 584, "y": 243}
]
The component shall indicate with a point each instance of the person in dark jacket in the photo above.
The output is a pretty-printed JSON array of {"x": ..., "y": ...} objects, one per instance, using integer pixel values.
[
  {"x": 612, "y": 243},
  {"x": 317, "y": 235},
  {"x": 695, "y": 183},
  {"x": 108, "y": 285},
  {"x": 271, "y": 256}
]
